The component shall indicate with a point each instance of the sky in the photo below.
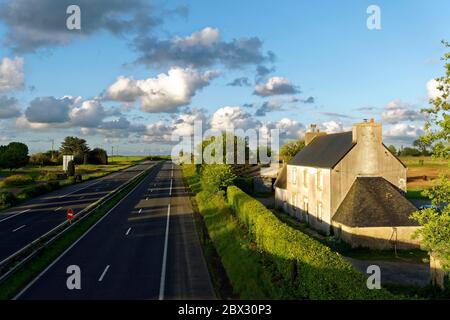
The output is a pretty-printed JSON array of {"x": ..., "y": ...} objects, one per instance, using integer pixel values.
[{"x": 137, "y": 72}]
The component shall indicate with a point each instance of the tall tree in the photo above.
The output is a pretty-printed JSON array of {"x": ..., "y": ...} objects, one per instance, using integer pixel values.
[
  {"x": 436, "y": 223},
  {"x": 76, "y": 146}
]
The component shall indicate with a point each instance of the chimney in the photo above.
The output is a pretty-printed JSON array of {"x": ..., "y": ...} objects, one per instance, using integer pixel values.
[
  {"x": 368, "y": 137},
  {"x": 312, "y": 133}
]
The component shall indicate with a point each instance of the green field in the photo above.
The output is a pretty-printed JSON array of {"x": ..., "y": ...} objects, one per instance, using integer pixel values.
[{"x": 423, "y": 172}]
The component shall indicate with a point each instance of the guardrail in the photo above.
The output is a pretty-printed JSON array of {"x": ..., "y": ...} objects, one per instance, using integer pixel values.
[{"x": 12, "y": 263}]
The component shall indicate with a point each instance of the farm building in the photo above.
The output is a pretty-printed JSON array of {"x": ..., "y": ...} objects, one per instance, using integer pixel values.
[{"x": 351, "y": 186}]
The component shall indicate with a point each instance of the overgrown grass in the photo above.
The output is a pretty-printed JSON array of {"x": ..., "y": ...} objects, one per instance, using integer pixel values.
[
  {"x": 12, "y": 286},
  {"x": 412, "y": 256},
  {"x": 239, "y": 257},
  {"x": 89, "y": 172}
]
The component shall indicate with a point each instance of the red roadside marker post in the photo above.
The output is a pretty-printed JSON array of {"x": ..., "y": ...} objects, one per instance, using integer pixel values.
[{"x": 70, "y": 215}]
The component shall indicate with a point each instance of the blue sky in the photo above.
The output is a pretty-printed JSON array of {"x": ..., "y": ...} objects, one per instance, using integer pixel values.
[{"x": 322, "y": 49}]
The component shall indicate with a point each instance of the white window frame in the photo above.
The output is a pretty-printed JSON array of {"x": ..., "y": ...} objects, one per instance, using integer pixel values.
[
  {"x": 305, "y": 178},
  {"x": 294, "y": 175},
  {"x": 319, "y": 211},
  {"x": 319, "y": 180}
]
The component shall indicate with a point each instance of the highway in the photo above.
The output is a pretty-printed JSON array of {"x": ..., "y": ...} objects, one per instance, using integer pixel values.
[
  {"x": 22, "y": 224},
  {"x": 146, "y": 247}
]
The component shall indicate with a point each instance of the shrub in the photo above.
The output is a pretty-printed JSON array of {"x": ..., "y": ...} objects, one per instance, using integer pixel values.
[
  {"x": 71, "y": 168},
  {"x": 312, "y": 269},
  {"x": 40, "y": 159},
  {"x": 48, "y": 176},
  {"x": 98, "y": 156},
  {"x": 217, "y": 176},
  {"x": 7, "y": 199},
  {"x": 17, "y": 180}
]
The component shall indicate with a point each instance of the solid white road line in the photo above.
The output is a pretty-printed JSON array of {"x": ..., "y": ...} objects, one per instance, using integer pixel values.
[
  {"x": 128, "y": 231},
  {"x": 73, "y": 244},
  {"x": 103, "y": 274},
  {"x": 162, "y": 282},
  {"x": 12, "y": 215},
  {"x": 58, "y": 208},
  {"x": 170, "y": 192},
  {"x": 19, "y": 228}
]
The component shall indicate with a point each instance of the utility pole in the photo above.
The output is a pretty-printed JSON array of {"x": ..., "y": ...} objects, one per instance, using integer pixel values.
[{"x": 112, "y": 151}]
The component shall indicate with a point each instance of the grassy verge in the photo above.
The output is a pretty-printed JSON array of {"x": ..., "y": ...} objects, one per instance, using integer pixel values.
[
  {"x": 11, "y": 286},
  {"x": 239, "y": 257},
  {"x": 234, "y": 264},
  {"x": 88, "y": 171}
]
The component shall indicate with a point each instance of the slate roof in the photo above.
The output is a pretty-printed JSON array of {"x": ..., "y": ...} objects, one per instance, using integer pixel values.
[
  {"x": 281, "y": 181},
  {"x": 374, "y": 202},
  {"x": 324, "y": 151}
]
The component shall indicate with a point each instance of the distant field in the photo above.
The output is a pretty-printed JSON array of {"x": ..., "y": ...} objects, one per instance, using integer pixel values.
[
  {"x": 89, "y": 171},
  {"x": 423, "y": 172}
]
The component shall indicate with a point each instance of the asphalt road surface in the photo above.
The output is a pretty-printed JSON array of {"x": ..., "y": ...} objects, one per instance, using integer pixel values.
[
  {"x": 22, "y": 224},
  {"x": 144, "y": 248}
]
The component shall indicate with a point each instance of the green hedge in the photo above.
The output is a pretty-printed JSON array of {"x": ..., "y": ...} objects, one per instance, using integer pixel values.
[
  {"x": 312, "y": 269},
  {"x": 240, "y": 260}
]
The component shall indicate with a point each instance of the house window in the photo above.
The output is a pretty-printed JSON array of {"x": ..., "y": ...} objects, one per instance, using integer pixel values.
[
  {"x": 294, "y": 175},
  {"x": 306, "y": 209},
  {"x": 305, "y": 178},
  {"x": 319, "y": 211},
  {"x": 319, "y": 181}
]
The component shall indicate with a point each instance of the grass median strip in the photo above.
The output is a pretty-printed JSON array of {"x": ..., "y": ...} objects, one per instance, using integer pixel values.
[{"x": 12, "y": 285}]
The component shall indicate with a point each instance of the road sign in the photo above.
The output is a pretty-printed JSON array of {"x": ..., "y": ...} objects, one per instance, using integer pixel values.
[{"x": 70, "y": 215}]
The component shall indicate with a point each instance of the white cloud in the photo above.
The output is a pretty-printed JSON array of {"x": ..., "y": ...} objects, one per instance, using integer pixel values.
[
  {"x": 275, "y": 86},
  {"x": 403, "y": 132},
  {"x": 290, "y": 129},
  {"x": 89, "y": 114},
  {"x": 205, "y": 37},
  {"x": 228, "y": 117},
  {"x": 11, "y": 74},
  {"x": 432, "y": 90},
  {"x": 23, "y": 123},
  {"x": 9, "y": 107},
  {"x": 397, "y": 111},
  {"x": 165, "y": 92},
  {"x": 332, "y": 127},
  {"x": 50, "y": 109}
]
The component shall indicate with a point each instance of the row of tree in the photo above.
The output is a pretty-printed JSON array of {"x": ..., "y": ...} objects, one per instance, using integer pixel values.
[{"x": 15, "y": 154}]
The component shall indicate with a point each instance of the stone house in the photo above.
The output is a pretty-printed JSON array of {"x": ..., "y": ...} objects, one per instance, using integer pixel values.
[{"x": 351, "y": 186}]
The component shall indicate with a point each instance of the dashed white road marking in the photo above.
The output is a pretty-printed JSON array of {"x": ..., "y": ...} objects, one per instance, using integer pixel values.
[
  {"x": 162, "y": 282},
  {"x": 19, "y": 228},
  {"x": 128, "y": 231},
  {"x": 140, "y": 210},
  {"x": 103, "y": 274},
  {"x": 58, "y": 208},
  {"x": 12, "y": 215}
]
